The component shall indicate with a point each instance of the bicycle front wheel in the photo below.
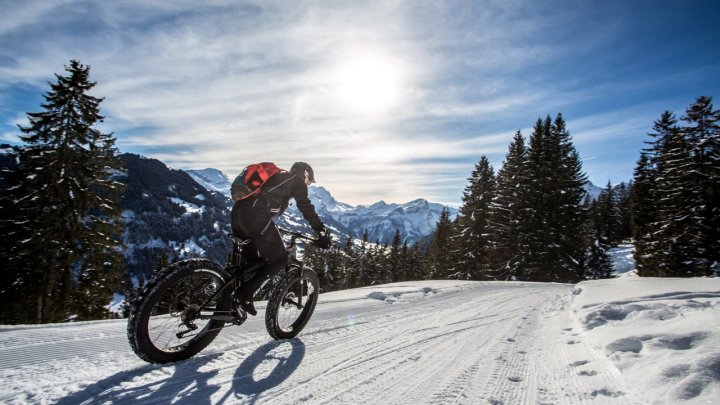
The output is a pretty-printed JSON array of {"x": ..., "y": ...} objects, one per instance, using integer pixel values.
[
  {"x": 292, "y": 301},
  {"x": 166, "y": 322}
]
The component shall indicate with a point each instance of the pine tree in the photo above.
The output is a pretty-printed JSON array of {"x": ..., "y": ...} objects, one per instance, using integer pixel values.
[
  {"x": 607, "y": 217},
  {"x": 598, "y": 262},
  {"x": 644, "y": 213},
  {"x": 624, "y": 207},
  {"x": 347, "y": 264},
  {"x": 474, "y": 261},
  {"x": 362, "y": 266},
  {"x": 405, "y": 262},
  {"x": 378, "y": 264},
  {"x": 556, "y": 191},
  {"x": 703, "y": 134},
  {"x": 395, "y": 258},
  {"x": 62, "y": 251},
  {"x": 675, "y": 198},
  {"x": 675, "y": 235},
  {"x": 510, "y": 213},
  {"x": 439, "y": 257}
]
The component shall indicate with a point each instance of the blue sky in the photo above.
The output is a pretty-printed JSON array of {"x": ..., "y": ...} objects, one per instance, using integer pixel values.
[{"x": 388, "y": 100}]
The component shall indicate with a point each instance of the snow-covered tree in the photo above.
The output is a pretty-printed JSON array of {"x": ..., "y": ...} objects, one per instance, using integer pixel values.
[
  {"x": 509, "y": 212},
  {"x": 598, "y": 264},
  {"x": 676, "y": 203},
  {"x": 472, "y": 233},
  {"x": 440, "y": 263},
  {"x": 395, "y": 259},
  {"x": 606, "y": 215},
  {"x": 703, "y": 134},
  {"x": 555, "y": 253},
  {"x": 62, "y": 249}
]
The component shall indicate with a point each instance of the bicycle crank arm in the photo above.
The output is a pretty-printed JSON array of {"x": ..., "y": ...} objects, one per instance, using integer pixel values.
[{"x": 218, "y": 316}]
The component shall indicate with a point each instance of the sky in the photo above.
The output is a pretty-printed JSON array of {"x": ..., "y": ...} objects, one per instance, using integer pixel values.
[{"x": 387, "y": 100}]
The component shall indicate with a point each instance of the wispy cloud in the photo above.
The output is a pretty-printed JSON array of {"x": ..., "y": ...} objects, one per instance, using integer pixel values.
[{"x": 225, "y": 83}]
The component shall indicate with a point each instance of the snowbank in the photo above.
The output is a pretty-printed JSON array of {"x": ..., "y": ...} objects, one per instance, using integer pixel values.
[{"x": 663, "y": 335}]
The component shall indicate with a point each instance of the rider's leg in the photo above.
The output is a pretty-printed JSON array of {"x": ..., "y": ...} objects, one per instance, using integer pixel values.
[{"x": 272, "y": 249}]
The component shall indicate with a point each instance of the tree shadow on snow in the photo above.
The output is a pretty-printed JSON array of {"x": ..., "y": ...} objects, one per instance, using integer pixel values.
[{"x": 184, "y": 383}]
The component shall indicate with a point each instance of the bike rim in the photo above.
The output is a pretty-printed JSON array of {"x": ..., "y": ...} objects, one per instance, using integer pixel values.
[
  {"x": 177, "y": 311},
  {"x": 289, "y": 315}
]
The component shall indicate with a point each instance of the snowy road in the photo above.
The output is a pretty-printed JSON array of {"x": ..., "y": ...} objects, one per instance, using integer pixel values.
[{"x": 426, "y": 342}]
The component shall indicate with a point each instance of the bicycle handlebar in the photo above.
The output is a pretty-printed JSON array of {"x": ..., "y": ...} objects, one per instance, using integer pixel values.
[{"x": 297, "y": 235}]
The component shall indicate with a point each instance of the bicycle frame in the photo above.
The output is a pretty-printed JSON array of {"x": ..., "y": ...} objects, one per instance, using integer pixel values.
[{"x": 235, "y": 269}]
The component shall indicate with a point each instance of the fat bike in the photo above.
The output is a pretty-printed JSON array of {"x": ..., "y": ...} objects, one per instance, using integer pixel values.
[{"x": 184, "y": 307}]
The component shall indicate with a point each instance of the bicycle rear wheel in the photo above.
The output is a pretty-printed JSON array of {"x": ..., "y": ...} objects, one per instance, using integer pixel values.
[
  {"x": 292, "y": 301},
  {"x": 165, "y": 323}
]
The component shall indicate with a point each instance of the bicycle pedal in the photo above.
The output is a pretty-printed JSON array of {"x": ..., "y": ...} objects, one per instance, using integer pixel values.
[{"x": 240, "y": 317}]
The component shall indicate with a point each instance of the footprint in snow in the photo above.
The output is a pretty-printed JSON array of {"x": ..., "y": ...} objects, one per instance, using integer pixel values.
[{"x": 607, "y": 393}]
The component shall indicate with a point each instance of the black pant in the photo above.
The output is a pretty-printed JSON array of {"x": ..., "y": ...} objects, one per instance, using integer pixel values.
[{"x": 255, "y": 223}]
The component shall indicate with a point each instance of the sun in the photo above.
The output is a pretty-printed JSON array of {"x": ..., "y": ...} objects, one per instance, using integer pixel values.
[{"x": 369, "y": 83}]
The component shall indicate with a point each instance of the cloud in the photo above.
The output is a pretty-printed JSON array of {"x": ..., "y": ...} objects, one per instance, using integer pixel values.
[
  {"x": 225, "y": 86},
  {"x": 225, "y": 83}
]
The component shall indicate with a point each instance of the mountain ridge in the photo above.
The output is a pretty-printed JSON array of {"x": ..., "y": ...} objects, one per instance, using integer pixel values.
[{"x": 414, "y": 220}]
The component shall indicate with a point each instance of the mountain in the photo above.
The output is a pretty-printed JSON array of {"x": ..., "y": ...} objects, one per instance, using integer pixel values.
[
  {"x": 168, "y": 213},
  {"x": 179, "y": 214},
  {"x": 212, "y": 180},
  {"x": 593, "y": 190},
  {"x": 415, "y": 219}
]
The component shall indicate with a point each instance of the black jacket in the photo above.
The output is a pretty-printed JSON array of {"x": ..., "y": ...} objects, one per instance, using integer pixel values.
[{"x": 276, "y": 193}]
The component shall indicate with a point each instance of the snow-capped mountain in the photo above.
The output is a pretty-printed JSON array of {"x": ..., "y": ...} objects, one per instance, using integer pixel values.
[
  {"x": 415, "y": 219},
  {"x": 212, "y": 180},
  {"x": 592, "y": 190},
  {"x": 186, "y": 213}
]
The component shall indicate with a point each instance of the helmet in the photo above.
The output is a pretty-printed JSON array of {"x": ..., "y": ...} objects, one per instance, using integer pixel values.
[{"x": 303, "y": 169}]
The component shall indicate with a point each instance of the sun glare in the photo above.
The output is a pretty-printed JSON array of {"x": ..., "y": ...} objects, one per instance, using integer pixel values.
[{"x": 369, "y": 83}]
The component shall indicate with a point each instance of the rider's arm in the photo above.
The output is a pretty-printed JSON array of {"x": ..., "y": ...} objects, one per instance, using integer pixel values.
[{"x": 306, "y": 207}]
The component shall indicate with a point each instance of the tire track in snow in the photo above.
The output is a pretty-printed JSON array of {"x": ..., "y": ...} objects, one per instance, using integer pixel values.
[
  {"x": 570, "y": 366},
  {"x": 367, "y": 346},
  {"x": 453, "y": 347},
  {"x": 397, "y": 359}
]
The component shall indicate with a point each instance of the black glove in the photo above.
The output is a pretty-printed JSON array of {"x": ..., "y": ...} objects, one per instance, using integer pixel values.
[{"x": 324, "y": 239}]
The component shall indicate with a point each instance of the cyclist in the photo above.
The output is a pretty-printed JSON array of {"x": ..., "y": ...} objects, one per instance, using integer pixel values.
[{"x": 252, "y": 219}]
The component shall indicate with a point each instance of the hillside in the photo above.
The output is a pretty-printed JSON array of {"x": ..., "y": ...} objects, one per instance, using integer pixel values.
[{"x": 167, "y": 213}]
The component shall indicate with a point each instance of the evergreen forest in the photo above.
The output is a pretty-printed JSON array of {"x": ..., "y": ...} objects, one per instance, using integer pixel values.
[{"x": 532, "y": 220}]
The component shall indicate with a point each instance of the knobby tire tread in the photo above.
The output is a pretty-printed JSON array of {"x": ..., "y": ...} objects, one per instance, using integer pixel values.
[
  {"x": 145, "y": 350},
  {"x": 277, "y": 292}
]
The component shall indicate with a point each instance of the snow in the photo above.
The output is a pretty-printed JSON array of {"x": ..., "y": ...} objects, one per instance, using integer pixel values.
[
  {"x": 628, "y": 340},
  {"x": 190, "y": 208},
  {"x": 623, "y": 260}
]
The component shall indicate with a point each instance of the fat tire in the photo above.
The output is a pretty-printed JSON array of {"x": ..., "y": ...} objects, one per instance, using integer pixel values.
[
  {"x": 137, "y": 328},
  {"x": 281, "y": 286}
]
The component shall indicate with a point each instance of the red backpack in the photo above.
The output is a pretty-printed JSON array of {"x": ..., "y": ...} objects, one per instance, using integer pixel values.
[{"x": 249, "y": 181}]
